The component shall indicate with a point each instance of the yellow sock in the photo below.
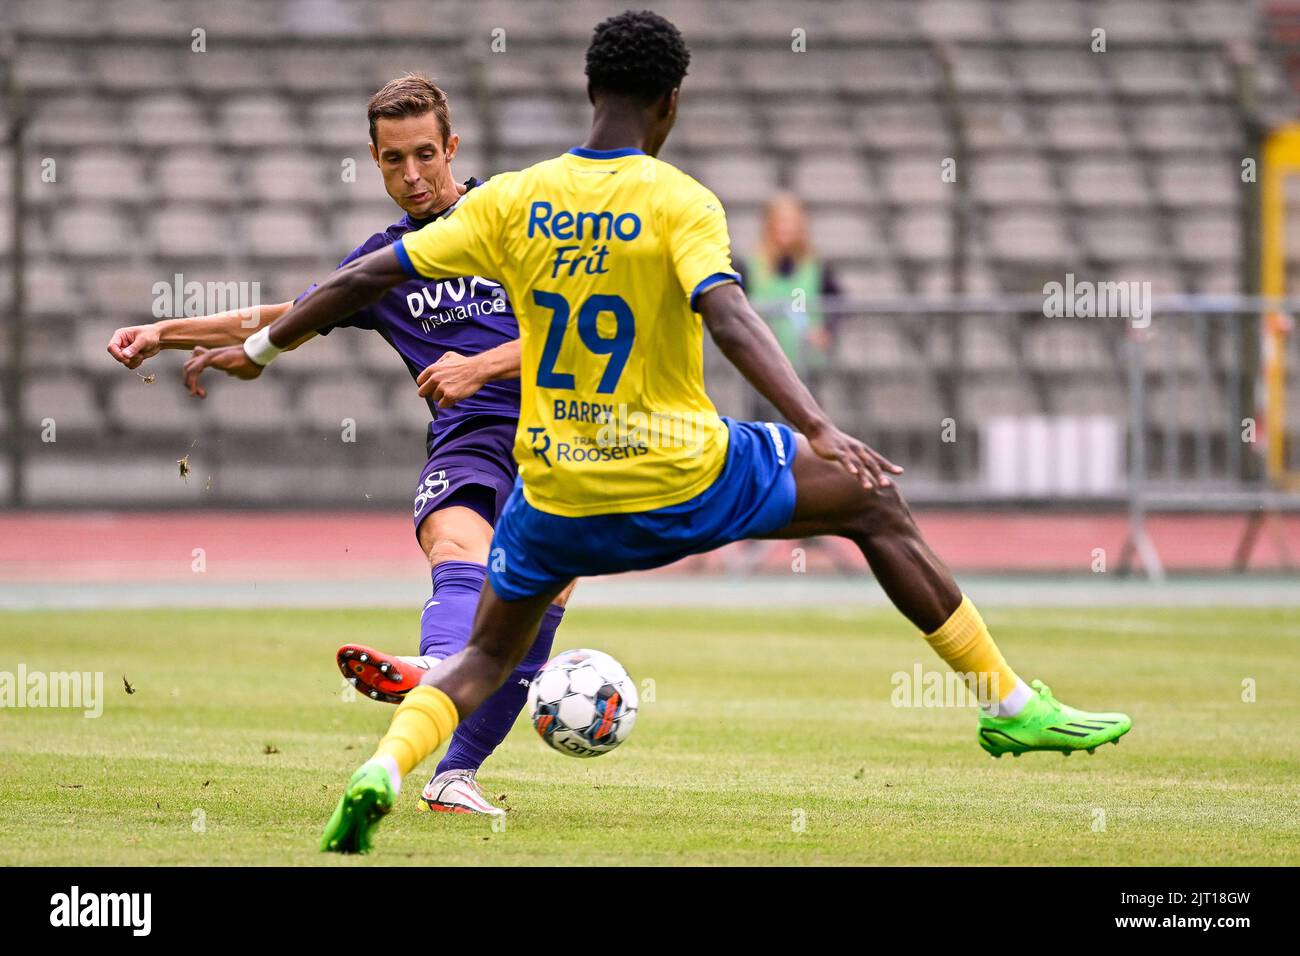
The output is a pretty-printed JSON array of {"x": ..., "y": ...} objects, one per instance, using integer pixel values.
[
  {"x": 965, "y": 643},
  {"x": 423, "y": 721}
]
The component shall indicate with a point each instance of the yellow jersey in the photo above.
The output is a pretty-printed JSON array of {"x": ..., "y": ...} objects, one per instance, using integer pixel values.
[{"x": 603, "y": 254}]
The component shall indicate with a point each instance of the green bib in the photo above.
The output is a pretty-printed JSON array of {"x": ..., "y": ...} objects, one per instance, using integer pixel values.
[{"x": 775, "y": 298}]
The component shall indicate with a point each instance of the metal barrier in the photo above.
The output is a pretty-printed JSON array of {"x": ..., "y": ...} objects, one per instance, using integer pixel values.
[{"x": 1004, "y": 401}]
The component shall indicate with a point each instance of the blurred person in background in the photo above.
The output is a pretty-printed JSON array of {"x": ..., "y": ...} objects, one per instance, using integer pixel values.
[{"x": 794, "y": 291}]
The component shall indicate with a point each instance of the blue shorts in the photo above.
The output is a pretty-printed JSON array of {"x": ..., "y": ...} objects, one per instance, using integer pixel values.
[
  {"x": 533, "y": 551},
  {"x": 474, "y": 466}
]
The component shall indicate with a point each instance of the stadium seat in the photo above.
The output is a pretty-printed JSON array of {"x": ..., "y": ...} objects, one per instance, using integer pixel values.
[
  {"x": 1207, "y": 237},
  {"x": 1042, "y": 19},
  {"x": 846, "y": 235},
  {"x": 326, "y": 355},
  {"x": 338, "y": 122},
  {"x": 281, "y": 232},
  {"x": 832, "y": 177},
  {"x": 1149, "y": 21},
  {"x": 795, "y": 124},
  {"x": 545, "y": 124},
  {"x": 1114, "y": 237},
  {"x": 1184, "y": 127},
  {"x": 67, "y": 401},
  {"x": 915, "y": 179},
  {"x": 874, "y": 343},
  {"x": 885, "y": 19},
  {"x": 1100, "y": 392},
  {"x": 52, "y": 291},
  {"x": 296, "y": 176},
  {"x": 226, "y": 69},
  {"x": 133, "y": 68},
  {"x": 1155, "y": 73},
  {"x": 259, "y": 120},
  {"x": 1216, "y": 20},
  {"x": 1028, "y": 237},
  {"x": 1201, "y": 182},
  {"x": 957, "y": 19},
  {"x": 405, "y": 408},
  {"x": 904, "y": 403},
  {"x": 721, "y": 125},
  {"x": 1012, "y": 180},
  {"x": 158, "y": 407},
  {"x": 255, "y": 407},
  {"x": 925, "y": 236},
  {"x": 326, "y": 404},
  {"x": 1107, "y": 182},
  {"x": 98, "y": 175},
  {"x": 195, "y": 176},
  {"x": 979, "y": 72},
  {"x": 899, "y": 127},
  {"x": 998, "y": 126},
  {"x": 98, "y": 231},
  {"x": 1068, "y": 345},
  {"x": 1085, "y": 127},
  {"x": 910, "y": 73},
  {"x": 876, "y": 281},
  {"x": 739, "y": 178},
  {"x": 1058, "y": 73},
  {"x": 190, "y": 231},
  {"x": 168, "y": 120},
  {"x": 983, "y": 397}
]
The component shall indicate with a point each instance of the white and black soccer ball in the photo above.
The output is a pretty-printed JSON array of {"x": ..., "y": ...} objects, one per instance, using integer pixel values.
[{"x": 583, "y": 703}]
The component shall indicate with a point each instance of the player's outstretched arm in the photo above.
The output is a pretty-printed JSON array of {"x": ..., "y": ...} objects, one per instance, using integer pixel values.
[
  {"x": 133, "y": 344},
  {"x": 455, "y": 377},
  {"x": 349, "y": 289},
  {"x": 750, "y": 346}
]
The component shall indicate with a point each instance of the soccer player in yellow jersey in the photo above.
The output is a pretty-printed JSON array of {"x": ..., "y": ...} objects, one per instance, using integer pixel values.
[{"x": 611, "y": 258}]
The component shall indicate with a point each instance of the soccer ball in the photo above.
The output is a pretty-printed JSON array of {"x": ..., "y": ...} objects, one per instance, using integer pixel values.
[{"x": 583, "y": 703}]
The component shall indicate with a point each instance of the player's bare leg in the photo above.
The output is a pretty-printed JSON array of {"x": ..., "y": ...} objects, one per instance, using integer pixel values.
[
  {"x": 1017, "y": 717},
  {"x": 830, "y": 501}
]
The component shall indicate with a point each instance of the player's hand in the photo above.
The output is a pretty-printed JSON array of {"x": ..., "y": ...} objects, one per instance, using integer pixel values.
[
  {"x": 866, "y": 464},
  {"x": 232, "y": 360},
  {"x": 135, "y": 343},
  {"x": 451, "y": 379}
]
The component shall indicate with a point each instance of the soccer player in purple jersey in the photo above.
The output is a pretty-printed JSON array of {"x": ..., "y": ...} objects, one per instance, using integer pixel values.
[{"x": 459, "y": 340}]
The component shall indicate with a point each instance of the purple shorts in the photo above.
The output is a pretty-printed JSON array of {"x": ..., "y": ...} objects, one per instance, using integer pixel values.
[{"x": 473, "y": 467}]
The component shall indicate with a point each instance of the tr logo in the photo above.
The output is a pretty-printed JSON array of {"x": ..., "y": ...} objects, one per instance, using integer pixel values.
[{"x": 541, "y": 444}]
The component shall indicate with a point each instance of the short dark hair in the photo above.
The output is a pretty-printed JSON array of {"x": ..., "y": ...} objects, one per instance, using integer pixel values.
[
  {"x": 411, "y": 95},
  {"x": 638, "y": 55}
]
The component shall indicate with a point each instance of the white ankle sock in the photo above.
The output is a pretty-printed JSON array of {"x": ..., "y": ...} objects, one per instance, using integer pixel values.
[
  {"x": 1013, "y": 703},
  {"x": 388, "y": 763}
]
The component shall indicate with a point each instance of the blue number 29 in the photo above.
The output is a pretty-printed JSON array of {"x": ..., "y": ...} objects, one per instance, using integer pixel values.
[{"x": 618, "y": 348}]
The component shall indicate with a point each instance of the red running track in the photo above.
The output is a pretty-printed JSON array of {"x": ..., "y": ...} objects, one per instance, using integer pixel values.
[{"x": 144, "y": 547}]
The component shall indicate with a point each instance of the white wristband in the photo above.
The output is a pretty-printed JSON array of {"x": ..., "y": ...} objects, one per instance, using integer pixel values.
[{"x": 258, "y": 346}]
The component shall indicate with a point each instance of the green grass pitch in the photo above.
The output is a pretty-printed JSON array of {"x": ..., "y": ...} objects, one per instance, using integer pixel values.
[{"x": 771, "y": 739}]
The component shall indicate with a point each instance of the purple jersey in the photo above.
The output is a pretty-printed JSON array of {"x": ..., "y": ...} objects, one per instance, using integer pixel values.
[{"x": 424, "y": 318}]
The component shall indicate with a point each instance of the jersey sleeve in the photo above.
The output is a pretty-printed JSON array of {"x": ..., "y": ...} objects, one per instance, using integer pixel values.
[
  {"x": 462, "y": 244},
  {"x": 362, "y": 318},
  {"x": 699, "y": 242}
]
